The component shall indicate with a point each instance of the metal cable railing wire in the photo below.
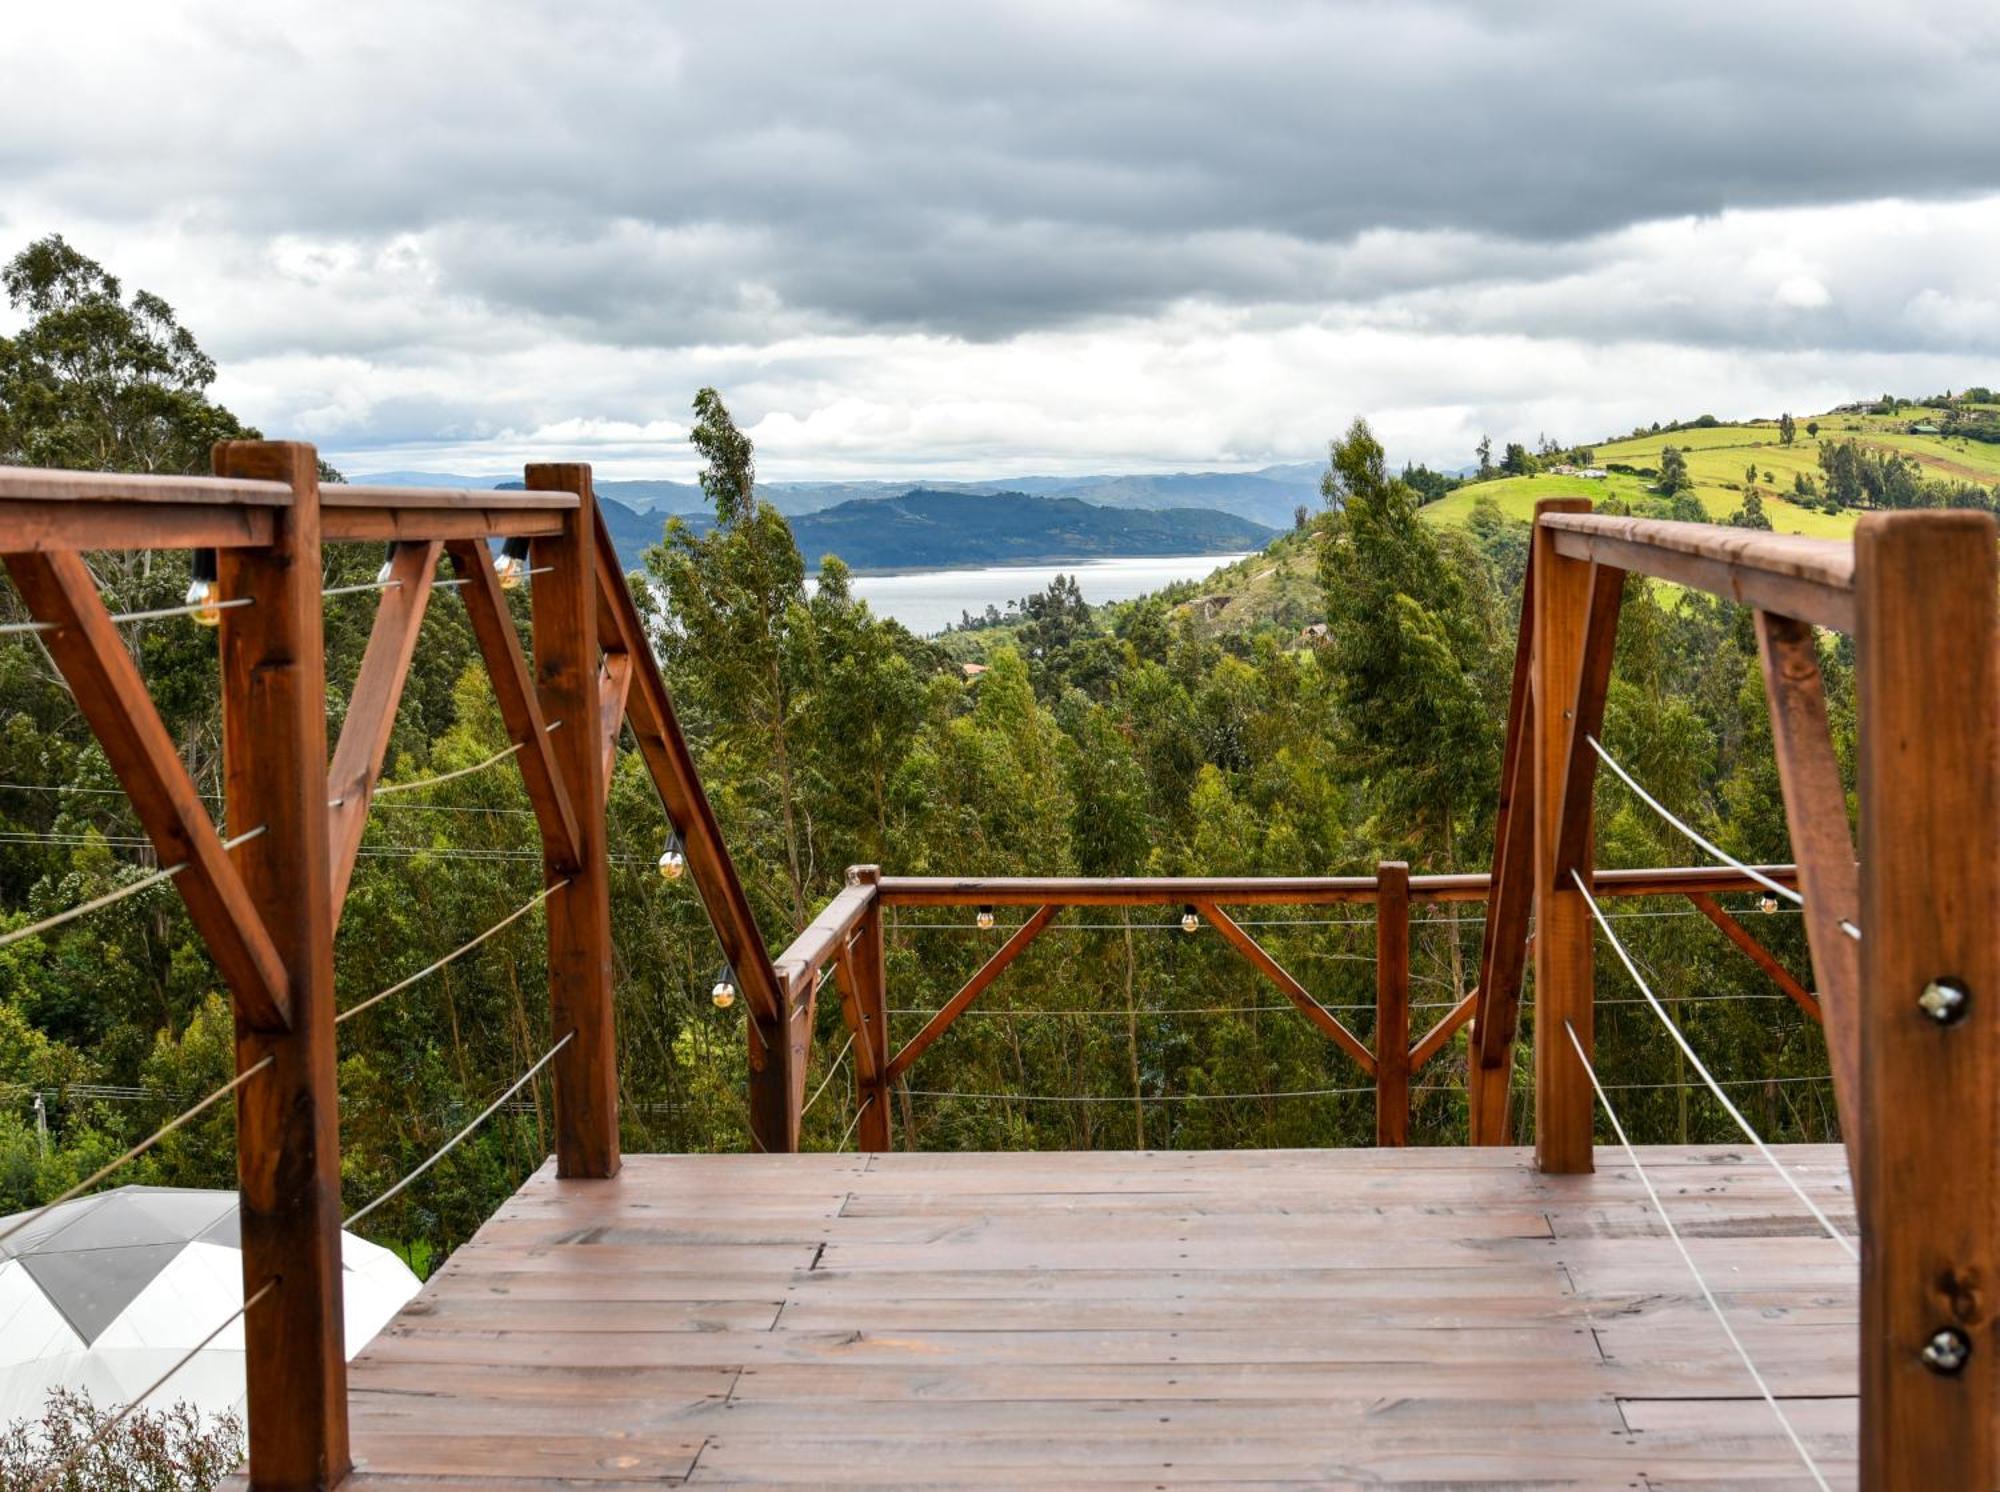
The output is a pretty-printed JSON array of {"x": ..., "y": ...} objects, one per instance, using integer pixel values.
[
  {"x": 479, "y": 766},
  {"x": 466, "y": 947},
  {"x": 1706, "y": 1294},
  {"x": 1707, "y": 844},
  {"x": 833, "y": 1068},
  {"x": 453, "y": 1143},
  {"x": 1701, "y": 1068}
]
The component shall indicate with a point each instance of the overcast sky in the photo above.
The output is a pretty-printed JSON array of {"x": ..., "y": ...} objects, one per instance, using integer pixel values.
[{"x": 1030, "y": 237}]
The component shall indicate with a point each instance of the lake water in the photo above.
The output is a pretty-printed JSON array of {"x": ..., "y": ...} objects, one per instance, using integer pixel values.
[{"x": 926, "y": 601}]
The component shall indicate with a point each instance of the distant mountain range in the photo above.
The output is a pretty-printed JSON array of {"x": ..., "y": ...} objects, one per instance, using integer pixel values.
[
  {"x": 930, "y": 529},
  {"x": 1266, "y": 496}
]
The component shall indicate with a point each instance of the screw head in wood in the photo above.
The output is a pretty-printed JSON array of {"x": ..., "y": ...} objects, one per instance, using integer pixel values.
[
  {"x": 1943, "y": 1000},
  {"x": 1947, "y": 1350}
]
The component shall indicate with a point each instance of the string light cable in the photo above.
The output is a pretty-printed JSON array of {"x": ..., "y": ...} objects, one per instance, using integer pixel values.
[
  {"x": 479, "y": 766},
  {"x": 130, "y": 888},
  {"x": 1687, "y": 1258},
  {"x": 463, "y": 948},
  {"x": 1701, "y": 1068}
]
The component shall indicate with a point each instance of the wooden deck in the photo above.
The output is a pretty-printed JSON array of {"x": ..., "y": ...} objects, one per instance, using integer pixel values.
[{"x": 1423, "y": 1317}]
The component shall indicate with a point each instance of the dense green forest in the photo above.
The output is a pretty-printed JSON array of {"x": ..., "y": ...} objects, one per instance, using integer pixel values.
[{"x": 1141, "y": 738}]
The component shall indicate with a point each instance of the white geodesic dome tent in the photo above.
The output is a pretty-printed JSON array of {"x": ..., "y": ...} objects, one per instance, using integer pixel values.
[{"x": 105, "y": 1293}]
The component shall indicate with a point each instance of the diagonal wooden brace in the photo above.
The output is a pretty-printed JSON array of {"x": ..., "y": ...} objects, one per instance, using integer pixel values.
[
  {"x": 86, "y": 646},
  {"x": 371, "y": 710},
  {"x": 520, "y": 705}
]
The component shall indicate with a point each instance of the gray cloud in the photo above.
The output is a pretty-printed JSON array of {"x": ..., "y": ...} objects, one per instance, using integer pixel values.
[
  {"x": 1040, "y": 234},
  {"x": 690, "y": 173}
]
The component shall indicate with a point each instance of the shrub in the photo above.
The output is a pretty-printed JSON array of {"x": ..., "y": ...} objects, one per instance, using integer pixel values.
[{"x": 151, "y": 1450}]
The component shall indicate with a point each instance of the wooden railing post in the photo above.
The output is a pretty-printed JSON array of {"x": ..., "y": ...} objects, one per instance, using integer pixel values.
[
  {"x": 871, "y": 994},
  {"x": 287, "y": 1119},
  {"x": 1563, "y": 930},
  {"x": 579, "y": 915},
  {"x": 1392, "y": 1003},
  {"x": 1925, "y": 1192}
]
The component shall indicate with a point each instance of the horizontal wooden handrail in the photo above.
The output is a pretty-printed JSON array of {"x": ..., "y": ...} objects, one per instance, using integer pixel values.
[
  {"x": 821, "y": 942},
  {"x": 1810, "y": 579},
  {"x": 48, "y": 484},
  {"x": 1144, "y": 891},
  {"x": 43, "y": 509}
]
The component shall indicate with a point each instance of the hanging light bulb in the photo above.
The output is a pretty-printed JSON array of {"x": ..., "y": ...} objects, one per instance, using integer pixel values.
[
  {"x": 673, "y": 859},
  {"x": 512, "y": 566},
  {"x": 1190, "y": 920},
  {"x": 985, "y": 918},
  {"x": 1768, "y": 905},
  {"x": 383, "y": 575},
  {"x": 724, "y": 993},
  {"x": 202, "y": 591}
]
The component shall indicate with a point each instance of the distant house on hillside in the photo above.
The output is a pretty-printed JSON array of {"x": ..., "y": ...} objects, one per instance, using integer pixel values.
[
  {"x": 1923, "y": 428},
  {"x": 971, "y": 671},
  {"x": 1314, "y": 636},
  {"x": 1593, "y": 473}
]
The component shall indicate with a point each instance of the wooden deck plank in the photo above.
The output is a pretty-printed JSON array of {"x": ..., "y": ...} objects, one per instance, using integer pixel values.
[{"x": 1270, "y": 1317}]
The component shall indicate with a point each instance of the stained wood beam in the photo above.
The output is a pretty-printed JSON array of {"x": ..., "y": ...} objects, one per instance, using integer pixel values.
[
  {"x": 1564, "y": 956},
  {"x": 1812, "y": 579},
  {"x": 353, "y": 511},
  {"x": 650, "y": 712},
  {"x": 1271, "y": 969},
  {"x": 44, "y": 526},
  {"x": 1310, "y": 891},
  {"x": 614, "y": 683},
  {"x": 824, "y": 937},
  {"x": 1816, "y": 817},
  {"x": 1503, "y": 940},
  {"x": 1928, "y": 696},
  {"x": 869, "y": 973},
  {"x": 371, "y": 709},
  {"x": 106, "y": 684},
  {"x": 1434, "y": 1040},
  {"x": 97, "y": 491},
  {"x": 956, "y": 1006},
  {"x": 567, "y": 770},
  {"x": 520, "y": 703},
  {"x": 1740, "y": 935},
  {"x": 1392, "y": 1004},
  {"x": 272, "y": 657},
  {"x": 1586, "y": 719}
]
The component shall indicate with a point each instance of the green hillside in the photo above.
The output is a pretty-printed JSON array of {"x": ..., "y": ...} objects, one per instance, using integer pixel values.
[
  {"x": 1717, "y": 457},
  {"x": 1279, "y": 585}
]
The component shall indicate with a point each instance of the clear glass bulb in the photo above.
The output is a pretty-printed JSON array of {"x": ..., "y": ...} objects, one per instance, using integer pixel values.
[
  {"x": 510, "y": 569},
  {"x": 202, "y": 594},
  {"x": 724, "y": 994},
  {"x": 1190, "y": 921},
  {"x": 672, "y": 863},
  {"x": 1768, "y": 905},
  {"x": 985, "y": 917}
]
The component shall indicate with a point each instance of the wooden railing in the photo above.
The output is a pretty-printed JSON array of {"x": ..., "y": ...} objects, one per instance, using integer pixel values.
[
  {"x": 267, "y": 900},
  {"x": 1903, "y": 938},
  {"x": 854, "y": 918}
]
